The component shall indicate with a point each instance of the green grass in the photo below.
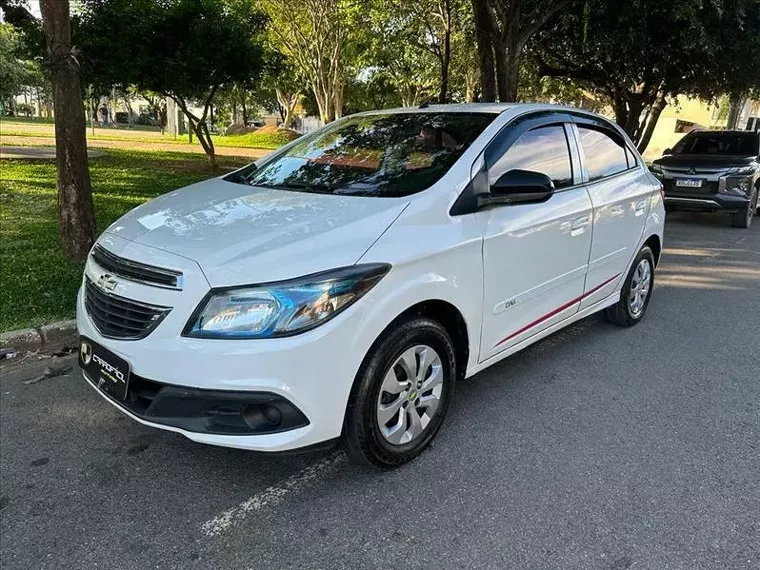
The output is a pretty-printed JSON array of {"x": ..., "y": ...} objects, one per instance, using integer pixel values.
[
  {"x": 37, "y": 283},
  {"x": 38, "y": 120},
  {"x": 268, "y": 139},
  {"x": 14, "y": 131},
  {"x": 264, "y": 140}
]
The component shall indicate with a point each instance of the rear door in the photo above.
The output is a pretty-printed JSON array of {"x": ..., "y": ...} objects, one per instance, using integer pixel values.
[{"x": 620, "y": 191}]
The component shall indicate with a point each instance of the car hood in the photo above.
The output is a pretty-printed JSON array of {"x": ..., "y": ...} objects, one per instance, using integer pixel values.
[
  {"x": 704, "y": 161},
  {"x": 241, "y": 234}
]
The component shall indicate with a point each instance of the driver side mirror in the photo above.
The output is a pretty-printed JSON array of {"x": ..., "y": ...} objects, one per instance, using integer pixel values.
[{"x": 519, "y": 187}]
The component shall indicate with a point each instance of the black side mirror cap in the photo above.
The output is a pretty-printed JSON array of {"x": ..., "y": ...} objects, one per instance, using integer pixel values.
[{"x": 519, "y": 187}]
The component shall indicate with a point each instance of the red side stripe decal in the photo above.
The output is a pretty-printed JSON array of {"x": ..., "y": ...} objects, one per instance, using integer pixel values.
[{"x": 558, "y": 310}]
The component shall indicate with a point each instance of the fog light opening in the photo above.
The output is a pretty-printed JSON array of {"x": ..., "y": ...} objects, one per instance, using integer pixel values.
[
  {"x": 272, "y": 415},
  {"x": 262, "y": 417}
]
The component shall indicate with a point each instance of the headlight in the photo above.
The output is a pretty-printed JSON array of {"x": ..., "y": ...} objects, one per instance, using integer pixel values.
[
  {"x": 285, "y": 308},
  {"x": 736, "y": 185}
]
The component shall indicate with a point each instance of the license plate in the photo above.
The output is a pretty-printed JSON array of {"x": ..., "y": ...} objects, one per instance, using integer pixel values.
[
  {"x": 688, "y": 183},
  {"x": 109, "y": 372}
]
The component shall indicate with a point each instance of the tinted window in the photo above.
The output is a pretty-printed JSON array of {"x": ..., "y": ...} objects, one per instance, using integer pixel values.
[
  {"x": 727, "y": 143},
  {"x": 542, "y": 150},
  {"x": 604, "y": 156},
  {"x": 387, "y": 155}
]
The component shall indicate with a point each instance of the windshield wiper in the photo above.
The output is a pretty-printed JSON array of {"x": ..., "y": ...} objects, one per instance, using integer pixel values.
[{"x": 305, "y": 187}]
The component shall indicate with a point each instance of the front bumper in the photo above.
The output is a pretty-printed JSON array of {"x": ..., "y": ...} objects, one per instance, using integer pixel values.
[
  {"x": 312, "y": 373},
  {"x": 208, "y": 411},
  {"x": 703, "y": 202}
]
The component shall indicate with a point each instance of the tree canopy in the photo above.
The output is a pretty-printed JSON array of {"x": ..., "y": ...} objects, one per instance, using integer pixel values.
[
  {"x": 183, "y": 49},
  {"x": 637, "y": 55}
]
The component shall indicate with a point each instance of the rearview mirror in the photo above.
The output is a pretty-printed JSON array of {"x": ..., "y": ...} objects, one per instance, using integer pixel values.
[{"x": 520, "y": 187}]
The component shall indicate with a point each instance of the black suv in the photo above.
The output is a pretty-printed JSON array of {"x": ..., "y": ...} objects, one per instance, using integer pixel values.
[{"x": 711, "y": 171}]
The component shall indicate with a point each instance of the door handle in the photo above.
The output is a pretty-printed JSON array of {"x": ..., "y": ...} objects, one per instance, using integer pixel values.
[{"x": 579, "y": 225}]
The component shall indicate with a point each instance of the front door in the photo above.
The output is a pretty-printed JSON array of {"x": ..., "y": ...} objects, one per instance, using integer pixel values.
[{"x": 535, "y": 256}]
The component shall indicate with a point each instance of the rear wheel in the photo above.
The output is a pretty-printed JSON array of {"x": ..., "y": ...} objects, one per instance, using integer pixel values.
[
  {"x": 400, "y": 395},
  {"x": 636, "y": 292}
]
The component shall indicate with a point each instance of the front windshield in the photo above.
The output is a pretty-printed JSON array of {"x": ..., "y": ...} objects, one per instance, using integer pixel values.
[
  {"x": 719, "y": 143},
  {"x": 386, "y": 155}
]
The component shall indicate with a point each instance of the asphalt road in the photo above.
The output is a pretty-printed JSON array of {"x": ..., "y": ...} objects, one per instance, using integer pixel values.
[{"x": 597, "y": 448}]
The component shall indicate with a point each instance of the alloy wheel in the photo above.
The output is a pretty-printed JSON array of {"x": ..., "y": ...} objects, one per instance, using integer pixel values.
[
  {"x": 410, "y": 395},
  {"x": 640, "y": 285}
]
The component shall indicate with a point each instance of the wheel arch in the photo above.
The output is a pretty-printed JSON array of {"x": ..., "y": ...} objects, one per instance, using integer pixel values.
[
  {"x": 655, "y": 245},
  {"x": 450, "y": 318}
]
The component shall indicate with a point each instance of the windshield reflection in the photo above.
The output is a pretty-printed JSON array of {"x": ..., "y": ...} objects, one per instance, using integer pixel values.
[{"x": 386, "y": 155}]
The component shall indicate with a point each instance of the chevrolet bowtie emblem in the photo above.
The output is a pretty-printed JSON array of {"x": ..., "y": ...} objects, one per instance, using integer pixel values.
[{"x": 107, "y": 283}]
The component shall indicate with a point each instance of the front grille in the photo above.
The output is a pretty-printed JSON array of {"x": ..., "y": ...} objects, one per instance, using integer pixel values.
[
  {"x": 137, "y": 271},
  {"x": 117, "y": 317}
]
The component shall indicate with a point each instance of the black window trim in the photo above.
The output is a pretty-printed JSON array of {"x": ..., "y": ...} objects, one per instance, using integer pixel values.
[{"x": 503, "y": 140}]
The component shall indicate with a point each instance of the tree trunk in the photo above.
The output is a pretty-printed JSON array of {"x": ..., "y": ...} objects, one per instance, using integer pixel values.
[
  {"x": 654, "y": 116},
  {"x": 75, "y": 210},
  {"x": 199, "y": 127},
  {"x": 500, "y": 59},
  {"x": 735, "y": 106},
  {"x": 245, "y": 111},
  {"x": 485, "y": 50},
  {"x": 338, "y": 100},
  {"x": 511, "y": 79},
  {"x": 444, "y": 90},
  {"x": 443, "y": 93}
]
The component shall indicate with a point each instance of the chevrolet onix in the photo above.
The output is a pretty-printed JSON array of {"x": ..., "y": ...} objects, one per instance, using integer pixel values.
[{"x": 339, "y": 288}]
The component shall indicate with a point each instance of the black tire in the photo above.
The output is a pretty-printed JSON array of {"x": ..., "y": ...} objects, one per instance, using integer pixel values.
[
  {"x": 743, "y": 218},
  {"x": 362, "y": 438},
  {"x": 621, "y": 313}
]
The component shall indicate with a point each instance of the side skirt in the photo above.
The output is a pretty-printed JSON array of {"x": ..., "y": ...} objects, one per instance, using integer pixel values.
[{"x": 596, "y": 307}]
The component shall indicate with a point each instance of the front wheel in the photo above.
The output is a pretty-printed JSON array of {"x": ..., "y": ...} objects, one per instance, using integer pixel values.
[
  {"x": 637, "y": 290},
  {"x": 743, "y": 218},
  {"x": 401, "y": 394}
]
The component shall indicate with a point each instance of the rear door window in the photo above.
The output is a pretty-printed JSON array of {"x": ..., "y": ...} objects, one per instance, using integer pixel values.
[{"x": 604, "y": 155}]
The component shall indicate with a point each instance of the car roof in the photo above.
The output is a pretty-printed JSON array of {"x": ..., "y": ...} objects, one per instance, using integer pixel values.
[
  {"x": 494, "y": 108},
  {"x": 722, "y": 132}
]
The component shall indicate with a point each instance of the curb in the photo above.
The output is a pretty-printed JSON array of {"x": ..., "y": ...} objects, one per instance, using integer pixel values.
[{"x": 62, "y": 333}]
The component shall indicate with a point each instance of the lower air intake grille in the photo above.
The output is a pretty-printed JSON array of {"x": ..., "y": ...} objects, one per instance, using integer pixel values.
[{"x": 117, "y": 317}]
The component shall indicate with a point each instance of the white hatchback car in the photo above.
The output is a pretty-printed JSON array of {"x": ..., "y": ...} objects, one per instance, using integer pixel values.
[{"x": 340, "y": 287}]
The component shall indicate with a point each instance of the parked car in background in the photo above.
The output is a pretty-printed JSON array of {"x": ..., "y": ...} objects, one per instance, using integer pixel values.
[
  {"x": 340, "y": 287},
  {"x": 713, "y": 171}
]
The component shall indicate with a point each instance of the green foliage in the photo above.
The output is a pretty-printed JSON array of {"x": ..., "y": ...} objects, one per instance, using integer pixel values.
[
  {"x": 376, "y": 91},
  {"x": 29, "y": 29},
  {"x": 13, "y": 71},
  {"x": 638, "y": 54},
  {"x": 37, "y": 283},
  {"x": 181, "y": 47}
]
